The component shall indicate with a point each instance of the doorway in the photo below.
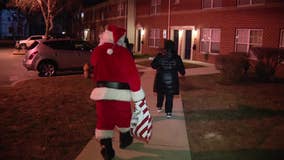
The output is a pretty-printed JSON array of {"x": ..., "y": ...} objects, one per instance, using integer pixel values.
[
  {"x": 176, "y": 39},
  {"x": 188, "y": 43},
  {"x": 139, "y": 41}
]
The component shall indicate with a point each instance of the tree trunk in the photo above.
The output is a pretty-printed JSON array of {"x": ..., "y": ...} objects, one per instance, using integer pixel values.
[{"x": 46, "y": 28}]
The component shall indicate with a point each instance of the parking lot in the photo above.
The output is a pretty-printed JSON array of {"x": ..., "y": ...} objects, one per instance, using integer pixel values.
[{"x": 12, "y": 69}]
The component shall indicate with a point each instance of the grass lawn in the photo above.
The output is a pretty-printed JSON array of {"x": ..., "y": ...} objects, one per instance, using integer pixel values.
[
  {"x": 46, "y": 119},
  {"x": 53, "y": 118},
  {"x": 232, "y": 122}
]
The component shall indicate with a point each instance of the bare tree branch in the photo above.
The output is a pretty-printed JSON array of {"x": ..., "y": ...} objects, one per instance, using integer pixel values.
[{"x": 49, "y": 9}]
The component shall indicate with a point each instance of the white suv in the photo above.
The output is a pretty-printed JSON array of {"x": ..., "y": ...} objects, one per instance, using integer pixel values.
[
  {"x": 49, "y": 56},
  {"x": 26, "y": 43}
]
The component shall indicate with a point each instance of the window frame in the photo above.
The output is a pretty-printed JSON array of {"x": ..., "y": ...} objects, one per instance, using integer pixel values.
[
  {"x": 156, "y": 38},
  {"x": 211, "y": 5},
  {"x": 248, "y": 43},
  {"x": 281, "y": 40},
  {"x": 121, "y": 9},
  {"x": 250, "y": 3},
  {"x": 210, "y": 41},
  {"x": 155, "y": 4},
  {"x": 177, "y": 2}
]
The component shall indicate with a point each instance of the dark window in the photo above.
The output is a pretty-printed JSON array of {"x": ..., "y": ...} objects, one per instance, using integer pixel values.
[
  {"x": 81, "y": 45},
  {"x": 63, "y": 45},
  {"x": 33, "y": 45}
]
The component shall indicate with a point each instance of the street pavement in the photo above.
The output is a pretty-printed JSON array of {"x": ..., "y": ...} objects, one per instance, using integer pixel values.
[
  {"x": 169, "y": 140},
  {"x": 12, "y": 69}
]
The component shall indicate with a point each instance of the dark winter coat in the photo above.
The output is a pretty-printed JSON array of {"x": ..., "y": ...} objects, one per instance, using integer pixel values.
[{"x": 168, "y": 65}]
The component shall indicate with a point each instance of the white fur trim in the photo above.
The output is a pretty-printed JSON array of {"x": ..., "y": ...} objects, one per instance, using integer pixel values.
[
  {"x": 138, "y": 95},
  {"x": 103, "y": 134},
  {"x": 110, "y": 94},
  {"x": 124, "y": 130},
  {"x": 110, "y": 51}
]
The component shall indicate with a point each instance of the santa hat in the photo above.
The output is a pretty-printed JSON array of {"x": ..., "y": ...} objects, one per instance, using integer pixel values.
[{"x": 116, "y": 34}]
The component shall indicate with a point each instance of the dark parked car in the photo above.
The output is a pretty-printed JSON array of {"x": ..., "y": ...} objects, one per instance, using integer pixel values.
[{"x": 49, "y": 56}]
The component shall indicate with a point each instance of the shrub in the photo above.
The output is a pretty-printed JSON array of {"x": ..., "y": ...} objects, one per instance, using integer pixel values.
[
  {"x": 233, "y": 66},
  {"x": 268, "y": 60}
]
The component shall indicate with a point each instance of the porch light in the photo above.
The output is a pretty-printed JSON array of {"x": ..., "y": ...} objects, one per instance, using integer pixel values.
[
  {"x": 194, "y": 33},
  {"x": 180, "y": 32},
  {"x": 82, "y": 15},
  {"x": 142, "y": 31}
]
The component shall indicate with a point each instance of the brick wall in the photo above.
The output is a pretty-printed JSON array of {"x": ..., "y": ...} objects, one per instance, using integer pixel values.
[{"x": 228, "y": 18}]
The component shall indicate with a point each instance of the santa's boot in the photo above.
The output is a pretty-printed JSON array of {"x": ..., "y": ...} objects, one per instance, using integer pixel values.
[
  {"x": 107, "y": 150},
  {"x": 125, "y": 139}
]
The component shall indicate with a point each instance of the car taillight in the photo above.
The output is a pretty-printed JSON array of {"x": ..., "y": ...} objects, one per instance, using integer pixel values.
[{"x": 33, "y": 54}]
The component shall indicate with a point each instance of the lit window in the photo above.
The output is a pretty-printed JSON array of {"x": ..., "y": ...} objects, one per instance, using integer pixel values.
[
  {"x": 248, "y": 38},
  {"x": 281, "y": 39},
  {"x": 210, "y": 40},
  {"x": 155, "y": 7},
  {"x": 250, "y": 2},
  {"x": 154, "y": 38},
  {"x": 211, "y": 3}
]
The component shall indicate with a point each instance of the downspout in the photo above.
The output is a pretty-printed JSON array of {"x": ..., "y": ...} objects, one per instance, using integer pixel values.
[{"x": 130, "y": 25}]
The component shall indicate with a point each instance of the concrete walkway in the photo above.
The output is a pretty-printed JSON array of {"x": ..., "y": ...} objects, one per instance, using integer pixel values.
[{"x": 169, "y": 140}]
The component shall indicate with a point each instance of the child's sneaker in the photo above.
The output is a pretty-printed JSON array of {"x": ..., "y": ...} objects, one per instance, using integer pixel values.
[
  {"x": 159, "y": 110},
  {"x": 169, "y": 115}
]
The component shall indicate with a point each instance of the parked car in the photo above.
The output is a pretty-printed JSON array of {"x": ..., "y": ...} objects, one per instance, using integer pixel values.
[
  {"x": 26, "y": 43},
  {"x": 49, "y": 56}
]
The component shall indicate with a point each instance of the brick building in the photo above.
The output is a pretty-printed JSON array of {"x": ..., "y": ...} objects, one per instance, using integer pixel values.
[{"x": 199, "y": 27}]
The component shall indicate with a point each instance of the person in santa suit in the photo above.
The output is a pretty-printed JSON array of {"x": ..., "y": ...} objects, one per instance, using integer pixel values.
[{"x": 117, "y": 83}]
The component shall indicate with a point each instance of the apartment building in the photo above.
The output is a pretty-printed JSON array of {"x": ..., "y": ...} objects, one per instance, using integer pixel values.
[
  {"x": 13, "y": 24},
  {"x": 200, "y": 28}
]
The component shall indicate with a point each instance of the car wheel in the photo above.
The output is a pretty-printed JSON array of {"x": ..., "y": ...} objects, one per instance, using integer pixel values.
[{"x": 47, "y": 69}]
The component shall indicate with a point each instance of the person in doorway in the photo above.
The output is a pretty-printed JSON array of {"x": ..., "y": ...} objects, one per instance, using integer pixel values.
[
  {"x": 168, "y": 64},
  {"x": 117, "y": 83}
]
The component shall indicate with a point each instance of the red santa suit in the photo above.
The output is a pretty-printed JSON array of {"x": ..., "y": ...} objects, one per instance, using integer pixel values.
[{"x": 118, "y": 82}]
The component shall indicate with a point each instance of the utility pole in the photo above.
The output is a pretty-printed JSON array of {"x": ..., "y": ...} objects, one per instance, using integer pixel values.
[{"x": 169, "y": 20}]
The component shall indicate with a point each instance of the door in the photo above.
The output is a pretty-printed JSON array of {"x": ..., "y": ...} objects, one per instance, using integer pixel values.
[
  {"x": 139, "y": 41},
  {"x": 188, "y": 42},
  {"x": 176, "y": 39}
]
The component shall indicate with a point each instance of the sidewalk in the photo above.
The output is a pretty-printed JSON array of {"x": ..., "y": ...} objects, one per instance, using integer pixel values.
[{"x": 169, "y": 140}]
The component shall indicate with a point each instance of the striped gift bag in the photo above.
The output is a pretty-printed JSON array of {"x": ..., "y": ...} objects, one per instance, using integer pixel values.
[{"x": 141, "y": 122}]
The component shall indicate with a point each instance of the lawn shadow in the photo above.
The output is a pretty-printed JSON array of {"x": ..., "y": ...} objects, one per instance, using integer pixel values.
[
  {"x": 156, "y": 154},
  {"x": 243, "y": 154},
  {"x": 242, "y": 112}
]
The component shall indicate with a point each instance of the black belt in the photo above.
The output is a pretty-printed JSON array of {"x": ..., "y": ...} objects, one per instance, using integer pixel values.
[{"x": 116, "y": 85}]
